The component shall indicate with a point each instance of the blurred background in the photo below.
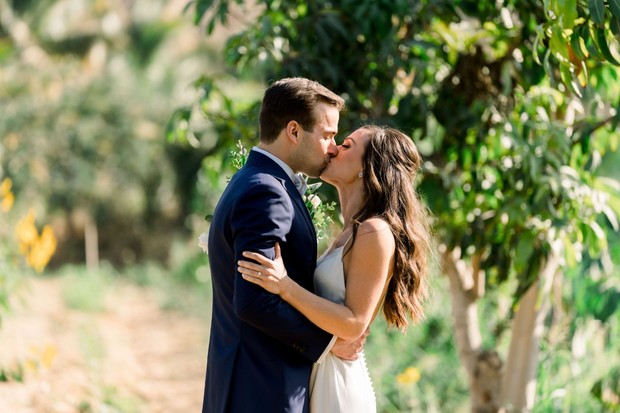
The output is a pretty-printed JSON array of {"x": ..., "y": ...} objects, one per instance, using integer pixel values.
[{"x": 122, "y": 120}]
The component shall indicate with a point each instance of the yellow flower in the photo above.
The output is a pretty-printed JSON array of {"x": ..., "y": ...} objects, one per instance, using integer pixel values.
[
  {"x": 42, "y": 249},
  {"x": 7, "y": 202},
  {"x": 41, "y": 357},
  {"x": 5, "y": 186},
  {"x": 26, "y": 232},
  {"x": 30, "y": 365},
  {"x": 411, "y": 375},
  {"x": 37, "y": 250},
  {"x": 6, "y": 196},
  {"x": 48, "y": 356}
]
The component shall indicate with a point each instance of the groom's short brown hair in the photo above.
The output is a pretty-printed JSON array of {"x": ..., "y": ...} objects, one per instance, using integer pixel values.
[{"x": 292, "y": 98}]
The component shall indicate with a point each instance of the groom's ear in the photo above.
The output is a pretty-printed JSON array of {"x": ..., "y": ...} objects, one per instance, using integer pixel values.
[{"x": 293, "y": 131}]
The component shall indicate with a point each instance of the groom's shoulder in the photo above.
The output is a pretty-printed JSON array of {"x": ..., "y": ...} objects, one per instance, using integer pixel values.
[
  {"x": 254, "y": 175},
  {"x": 253, "y": 180}
]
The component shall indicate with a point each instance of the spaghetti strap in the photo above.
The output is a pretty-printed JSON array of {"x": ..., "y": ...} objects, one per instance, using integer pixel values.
[{"x": 348, "y": 239}]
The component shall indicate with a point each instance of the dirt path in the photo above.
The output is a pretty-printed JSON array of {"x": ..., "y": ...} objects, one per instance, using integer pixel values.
[{"x": 131, "y": 357}]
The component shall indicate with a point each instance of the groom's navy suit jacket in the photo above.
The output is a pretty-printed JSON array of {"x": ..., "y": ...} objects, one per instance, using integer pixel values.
[{"x": 261, "y": 349}]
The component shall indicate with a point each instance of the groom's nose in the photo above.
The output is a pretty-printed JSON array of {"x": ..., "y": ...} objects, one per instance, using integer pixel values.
[{"x": 332, "y": 150}]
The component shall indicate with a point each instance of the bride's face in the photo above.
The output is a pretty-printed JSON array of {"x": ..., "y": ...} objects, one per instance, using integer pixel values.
[{"x": 345, "y": 167}]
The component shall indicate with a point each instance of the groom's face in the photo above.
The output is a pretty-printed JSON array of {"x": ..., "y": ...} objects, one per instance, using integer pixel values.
[
  {"x": 317, "y": 146},
  {"x": 345, "y": 168}
]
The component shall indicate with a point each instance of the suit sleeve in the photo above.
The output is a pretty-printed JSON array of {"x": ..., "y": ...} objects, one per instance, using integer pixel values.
[{"x": 262, "y": 217}]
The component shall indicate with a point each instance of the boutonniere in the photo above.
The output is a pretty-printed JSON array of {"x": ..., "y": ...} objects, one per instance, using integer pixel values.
[{"x": 318, "y": 210}]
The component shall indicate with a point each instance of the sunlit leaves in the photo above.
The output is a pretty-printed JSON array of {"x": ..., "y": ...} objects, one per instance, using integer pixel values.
[
  {"x": 178, "y": 129},
  {"x": 581, "y": 35},
  {"x": 496, "y": 131}
]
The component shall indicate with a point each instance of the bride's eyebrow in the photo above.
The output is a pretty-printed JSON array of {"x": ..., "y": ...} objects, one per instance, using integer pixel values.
[{"x": 350, "y": 140}]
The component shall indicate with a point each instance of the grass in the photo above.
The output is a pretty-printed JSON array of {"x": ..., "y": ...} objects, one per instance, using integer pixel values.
[
  {"x": 568, "y": 378},
  {"x": 85, "y": 290}
]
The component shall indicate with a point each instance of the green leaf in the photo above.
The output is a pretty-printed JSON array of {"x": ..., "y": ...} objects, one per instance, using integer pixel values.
[
  {"x": 614, "y": 6},
  {"x": 557, "y": 44},
  {"x": 614, "y": 26},
  {"x": 569, "y": 252},
  {"x": 577, "y": 45},
  {"x": 603, "y": 47},
  {"x": 611, "y": 216},
  {"x": 535, "y": 48},
  {"x": 547, "y": 64},
  {"x": 600, "y": 237},
  {"x": 201, "y": 9},
  {"x": 568, "y": 13},
  {"x": 588, "y": 37},
  {"x": 567, "y": 78},
  {"x": 523, "y": 252},
  {"x": 597, "y": 11},
  {"x": 177, "y": 126},
  {"x": 582, "y": 76}
]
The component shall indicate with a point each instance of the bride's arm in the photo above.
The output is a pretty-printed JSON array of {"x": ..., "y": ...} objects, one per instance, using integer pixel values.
[{"x": 367, "y": 267}]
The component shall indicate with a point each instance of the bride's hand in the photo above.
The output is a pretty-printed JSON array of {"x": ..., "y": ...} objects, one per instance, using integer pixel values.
[{"x": 269, "y": 274}]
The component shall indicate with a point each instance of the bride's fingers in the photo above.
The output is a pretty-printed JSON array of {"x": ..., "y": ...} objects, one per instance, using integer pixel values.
[
  {"x": 250, "y": 272},
  {"x": 256, "y": 257},
  {"x": 250, "y": 265},
  {"x": 251, "y": 279}
]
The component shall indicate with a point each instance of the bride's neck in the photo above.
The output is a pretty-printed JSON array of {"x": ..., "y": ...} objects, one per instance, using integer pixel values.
[{"x": 351, "y": 202}]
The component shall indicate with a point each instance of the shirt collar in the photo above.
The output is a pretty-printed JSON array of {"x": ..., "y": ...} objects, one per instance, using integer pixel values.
[{"x": 280, "y": 162}]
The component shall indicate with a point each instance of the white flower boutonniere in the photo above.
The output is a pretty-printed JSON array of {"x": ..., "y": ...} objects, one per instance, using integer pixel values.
[
  {"x": 203, "y": 242},
  {"x": 318, "y": 210}
]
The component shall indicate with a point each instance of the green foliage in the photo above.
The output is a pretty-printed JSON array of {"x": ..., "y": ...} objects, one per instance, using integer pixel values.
[
  {"x": 581, "y": 372},
  {"x": 85, "y": 290},
  {"x": 514, "y": 106},
  {"x": 320, "y": 211},
  {"x": 510, "y": 158},
  {"x": 607, "y": 390},
  {"x": 428, "y": 348},
  {"x": 596, "y": 298},
  {"x": 86, "y": 94},
  {"x": 15, "y": 374},
  {"x": 581, "y": 35}
]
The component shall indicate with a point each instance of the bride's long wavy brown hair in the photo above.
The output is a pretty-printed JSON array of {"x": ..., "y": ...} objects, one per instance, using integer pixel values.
[{"x": 391, "y": 161}]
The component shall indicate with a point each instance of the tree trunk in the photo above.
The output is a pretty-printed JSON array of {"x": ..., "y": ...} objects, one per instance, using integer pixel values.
[
  {"x": 519, "y": 378},
  {"x": 91, "y": 245},
  {"x": 492, "y": 388},
  {"x": 483, "y": 368}
]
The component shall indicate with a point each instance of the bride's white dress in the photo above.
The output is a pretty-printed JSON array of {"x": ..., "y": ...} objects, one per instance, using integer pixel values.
[{"x": 336, "y": 385}]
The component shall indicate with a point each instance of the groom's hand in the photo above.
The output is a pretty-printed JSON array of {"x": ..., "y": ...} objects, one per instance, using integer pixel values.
[{"x": 349, "y": 349}]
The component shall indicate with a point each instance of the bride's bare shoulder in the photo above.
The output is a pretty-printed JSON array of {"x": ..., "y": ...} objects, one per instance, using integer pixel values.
[{"x": 374, "y": 224}]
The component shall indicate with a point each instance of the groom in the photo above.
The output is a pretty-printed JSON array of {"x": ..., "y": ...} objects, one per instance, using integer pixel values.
[{"x": 261, "y": 349}]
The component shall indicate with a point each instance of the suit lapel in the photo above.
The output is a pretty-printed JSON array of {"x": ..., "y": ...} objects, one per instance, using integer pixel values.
[{"x": 259, "y": 160}]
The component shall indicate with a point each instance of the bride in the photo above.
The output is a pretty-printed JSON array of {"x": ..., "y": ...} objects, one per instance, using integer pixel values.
[{"x": 379, "y": 258}]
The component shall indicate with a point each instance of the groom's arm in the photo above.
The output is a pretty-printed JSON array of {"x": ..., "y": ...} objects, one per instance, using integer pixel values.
[{"x": 262, "y": 217}]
